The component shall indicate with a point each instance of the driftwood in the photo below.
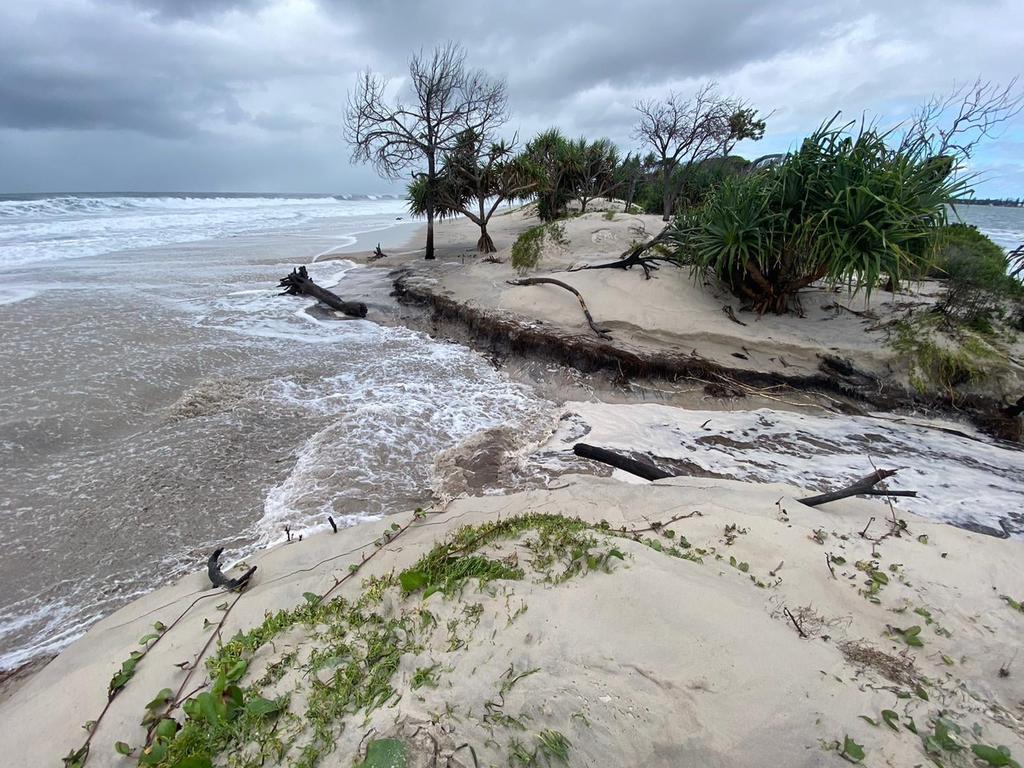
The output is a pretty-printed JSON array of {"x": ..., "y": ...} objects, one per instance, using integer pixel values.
[
  {"x": 863, "y": 487},
  {"x": 634, "y": 257},
  {"x": 643, "y": 469},
  {"x": 579, "y": 297},
  {"x": 299, "y": 283},
  {"x": 647, "y": 470},
  {"x": 217, "y": 577},
  {"x": 377, "y": 254}
]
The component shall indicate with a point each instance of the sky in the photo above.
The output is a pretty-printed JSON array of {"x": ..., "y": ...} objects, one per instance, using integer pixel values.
[{"x": 249, "y": 95}]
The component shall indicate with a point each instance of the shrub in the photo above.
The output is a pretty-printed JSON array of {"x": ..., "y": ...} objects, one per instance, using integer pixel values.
[
  {"x": 529, "y": 246},
  {"x": 526, "y": 248},
  {"x": 977, "y": 271},
  {"x": 843, "y": 208},
  {"x": 936, "y": 361}
]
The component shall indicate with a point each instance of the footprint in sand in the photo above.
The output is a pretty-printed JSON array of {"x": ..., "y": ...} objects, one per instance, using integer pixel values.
[{"x": 603, "y": 236}]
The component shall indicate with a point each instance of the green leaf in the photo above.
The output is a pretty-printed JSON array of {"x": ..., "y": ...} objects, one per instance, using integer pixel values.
[
  {"x": 867, "y": 719},
  {"x": 837, "y": 560},
  {"x": 166, "y": 728},
  {"x": 1015, "y": 604},
  {"x": 312, "y": 598},
  {"x": 160, "y": 699},
  {"x": 879, "y": 577},
  {"x": 851, "y": 750},
  {"x": 236, "y": 670},
  {"x": 413, "y": 581},
  {"x": 154, "y": 754},
  {"x": 891, "y": 719},
  {"x": 208, "y": 706},
  {"x": 992, "y": 755},
  {"x": 159, "y": 626},
  {"x": 76, "y": 758},
  {"x": 148, "y": 638},
  {"x": 122, "y": 749},
  {"x": 385, "y": 753},
  {"x": 260, "y": 707}
]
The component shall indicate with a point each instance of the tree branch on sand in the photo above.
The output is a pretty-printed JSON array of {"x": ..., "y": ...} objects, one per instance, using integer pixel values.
[
  {"x": 217, "y": 577},
  {"x": 649, "y": 471},
  {"x": 634, "y": 256},
  {"x": 299, "y": 283},
  {"x": 579, "y": 297}
]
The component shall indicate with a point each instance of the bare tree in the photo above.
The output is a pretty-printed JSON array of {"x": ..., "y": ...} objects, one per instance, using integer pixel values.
[
  {"x": 953, "y": 125},
  {"x": 444, "y": 99},
  {"x": 685, "y": 132}
]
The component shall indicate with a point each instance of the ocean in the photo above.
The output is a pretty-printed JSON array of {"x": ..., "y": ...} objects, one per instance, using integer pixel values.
[{"x": 159, "y": 399}]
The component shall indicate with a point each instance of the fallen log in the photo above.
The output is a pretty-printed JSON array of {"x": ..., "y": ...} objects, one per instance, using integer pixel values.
[
  {"x": 298, "y": 283},
  {"x": 643, "y": 469},
  {"x": 648, "y": 471},
  {"x": 579, "y": 297},
  {"x": 217, "y": 577}
]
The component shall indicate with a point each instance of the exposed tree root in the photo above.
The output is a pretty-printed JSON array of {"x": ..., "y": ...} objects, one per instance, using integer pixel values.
[
  {"x": 579, "y": 297},
  {"x": 634, "y": 257},
  {"x": 299, "y": 283}
]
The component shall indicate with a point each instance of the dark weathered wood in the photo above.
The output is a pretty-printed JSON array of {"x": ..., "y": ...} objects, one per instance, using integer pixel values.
[
  {"x": 579, "y": 297},
  {"x": 642, "y": 469},
  {"x": 863, "y": 487},
  {"x": 217, "y": 577},
  {"x": 635, "y": 257},
  {"x": 299, "y": 283}
]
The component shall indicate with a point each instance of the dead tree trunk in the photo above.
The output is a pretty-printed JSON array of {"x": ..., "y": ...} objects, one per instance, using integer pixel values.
[
  {"x": 643, "y": 469},
  {"x": 863, "y": 487},
  {"x": 217, "y": 577},
  {"x": 299, "y": 283},
  {"x": 579, "y": 297}
]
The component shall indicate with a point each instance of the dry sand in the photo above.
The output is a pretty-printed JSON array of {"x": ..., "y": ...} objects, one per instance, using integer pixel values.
[
  {"x": 651, "y": 660},
  {"x": 674, "y": 315}
]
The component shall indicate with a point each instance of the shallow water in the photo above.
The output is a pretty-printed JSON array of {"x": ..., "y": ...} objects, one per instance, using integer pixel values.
[
  {"x": 158, "y": 403},
  {"x": 963, "y": 479}
]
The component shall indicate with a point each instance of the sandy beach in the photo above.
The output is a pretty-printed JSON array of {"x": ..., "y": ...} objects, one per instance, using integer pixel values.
[
  {"x": 721, "y": 638},
  {"x": 595, "y": 618}
]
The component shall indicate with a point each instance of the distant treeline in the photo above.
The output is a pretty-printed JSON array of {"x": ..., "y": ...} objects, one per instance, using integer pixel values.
[{"x": 1006, "y": 202}]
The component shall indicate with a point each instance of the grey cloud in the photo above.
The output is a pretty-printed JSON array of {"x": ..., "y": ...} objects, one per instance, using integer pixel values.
[{"x": 266, "y": 79}]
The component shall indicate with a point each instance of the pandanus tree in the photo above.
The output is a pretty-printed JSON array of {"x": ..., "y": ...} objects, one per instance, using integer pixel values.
[
  {"x": 475, "y": 178},
  {"x": 844, "y": 208},
  {"x": 594, "y": 163},
  {"x": 559, "y": 167}
]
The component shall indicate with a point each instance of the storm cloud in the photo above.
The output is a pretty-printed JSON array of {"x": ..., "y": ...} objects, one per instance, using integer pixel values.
[{"x": 248, "y": 94}]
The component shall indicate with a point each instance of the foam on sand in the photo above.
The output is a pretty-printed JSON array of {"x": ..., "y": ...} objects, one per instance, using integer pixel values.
[{"x": 958, "y": 479}]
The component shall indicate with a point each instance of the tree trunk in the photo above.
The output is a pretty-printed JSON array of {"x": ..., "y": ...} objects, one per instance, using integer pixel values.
[
  {"x": 485, "y": 244},
  {"x": 299, "y": 283},
  {"x": 666, "y": 200},
  {"x": 431, "y": 172}
]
